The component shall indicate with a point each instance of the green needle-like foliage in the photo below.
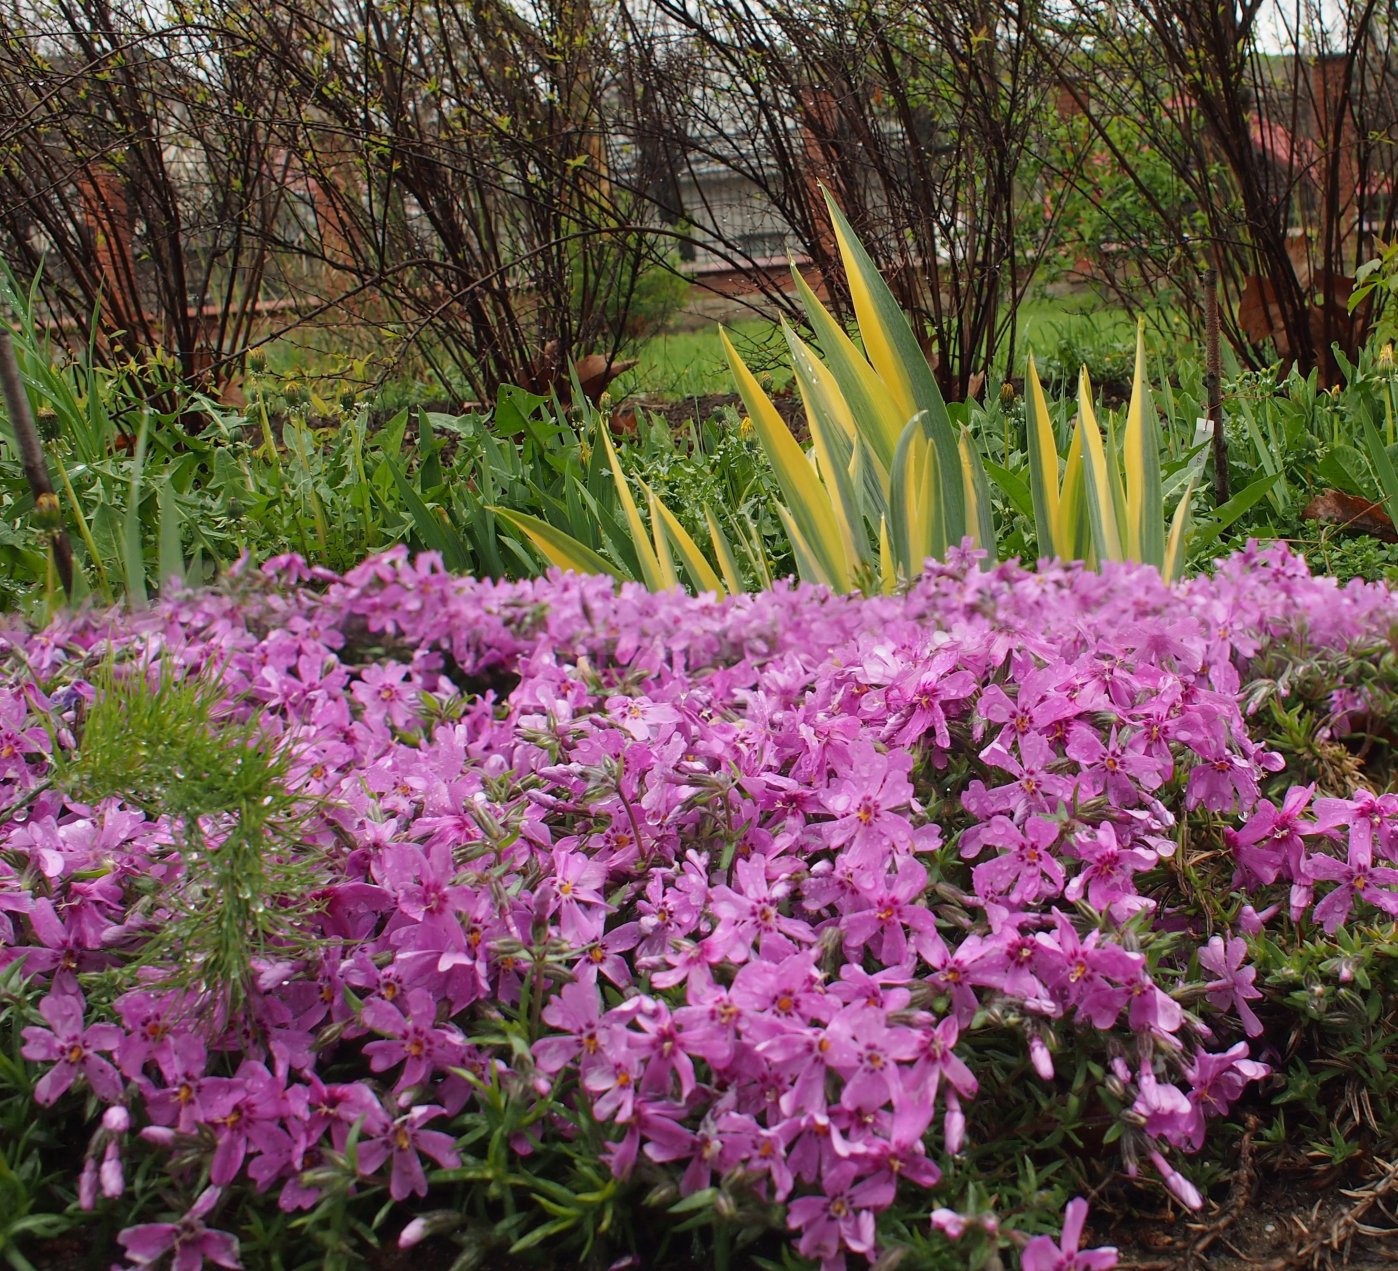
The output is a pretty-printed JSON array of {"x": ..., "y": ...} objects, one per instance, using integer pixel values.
[{"x": 159, "y": 738}]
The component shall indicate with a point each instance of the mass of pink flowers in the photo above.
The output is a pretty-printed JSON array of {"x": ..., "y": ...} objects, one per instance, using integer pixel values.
[{"x": 760, "y": 867}]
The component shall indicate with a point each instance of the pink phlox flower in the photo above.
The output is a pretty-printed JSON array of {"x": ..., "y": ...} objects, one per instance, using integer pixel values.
[
  {"x": 668, "y": 912},
  {"x": 72, "y": 1049},
  {"x": 892, "y": 911},
  {"x": 451, "y": 960},
  {"x": 402, "y": 1142},
  {"x": 1216, "y": 1082},
  {"x": 582, "y": 908},
  {"x": 411, "y": 1037},
  {"x": 1005, "y": 960},
  {"x": 39, "y": 841},
  {"x": 1150, "y": 1006},
  {"x": 1087, "y": 974},
  {"x": 1234, "y": 985},
  {"x": 575, "y": 1010},
  {"x": 761, "y": 1150},
  {"x": 64, "y": 951},
  {"x": 603, "y": 956},
  {"x": 807, "y": 1058},
  {"x": 179, "y": 1102},
  {"x": 936, "y": 1060},
  {"x": 865, "y": 803},
  {"x": 877, "y": 1047},
  {"x": 1111, "y": 768},
  {"x": 662, "y": 1049},
  {"x": 1036, "y": 707},
  {"x": 150, "y": 1020},
  {"x": 642, "y": 718},
  {"x": 1270, "y": 844},
  {"x": 614, "y": 1079},
  {"x": 1043, "y": 1253},
  {"x": 751, "y": 916},
  {"x": 243, "y": 1112},
  {"x": 776, "y": 996},
  {"x": 669, "y": 1141},
  {"x": 1222, "y": 782},
  {"x": 1358, "y": 877},
  {"x": 951, "y": 974},
  {"x": 189, "y": 1242},
  {"x": 1179, "y": 1186},
  {"x": 1035, "y": 788},
  {"x": 712, "y": 1025},
  {"x": 1105, "y": 879},
  {"x": 842, "y": 1219},
  {"x": 1026, "y": 870},
  {"x": 884, "y": 989},
  {"x": 316, "y": 1107},
  {"x": 918, "y": 698},
  {"x": 383, "y": 694},
  {"x": 1368, "y": 817},
  {"x": 1163, "y": 1108}
]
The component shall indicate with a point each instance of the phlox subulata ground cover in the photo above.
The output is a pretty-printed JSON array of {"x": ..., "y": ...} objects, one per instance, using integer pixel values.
[{"x": 586, "y": 917}]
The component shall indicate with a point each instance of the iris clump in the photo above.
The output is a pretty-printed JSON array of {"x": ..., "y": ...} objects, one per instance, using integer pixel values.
[{"x": 772, "y": 911}]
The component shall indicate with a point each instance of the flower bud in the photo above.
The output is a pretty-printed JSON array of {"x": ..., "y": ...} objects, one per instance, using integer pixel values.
[
  {"x": 47, "y": 422},
  {"x": 47, "y": 514}
]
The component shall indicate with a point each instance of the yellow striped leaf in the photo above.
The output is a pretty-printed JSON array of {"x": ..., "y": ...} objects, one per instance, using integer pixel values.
[
  {"x": 876, "y": 415},
  {"x": 1043, "y": 474},
  {"x": 555, "y": 546},
  {"x": 666, "y": 562},
  {"x": 1097, "y": 486},
  {"x": 705, "y": 579},
  {"x": 895, "y": 354},
  {"x": 808, "y": 501},
  {"x": 1145, "y": 500},
  {"x": 652, "y": 574},
  {"x": 723, "y": 553}
]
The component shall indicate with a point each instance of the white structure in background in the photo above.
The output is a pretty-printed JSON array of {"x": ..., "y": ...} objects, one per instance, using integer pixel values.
[{"x": 721, "y": 203}]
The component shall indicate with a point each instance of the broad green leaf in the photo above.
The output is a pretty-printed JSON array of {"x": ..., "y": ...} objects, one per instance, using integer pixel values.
[
  {"x": 1383, "y": 466},
  {"x": 554, "y": 545},
  {"x": 1016, "y": 489},
  {"x": 1206, "y": 531},
  {"x": 436, "y": 535}
]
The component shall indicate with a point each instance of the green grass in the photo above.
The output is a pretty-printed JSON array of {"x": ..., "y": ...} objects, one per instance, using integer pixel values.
[
  {"x": 1063, "y": 333},
  {"x": 679, "y": 365}
]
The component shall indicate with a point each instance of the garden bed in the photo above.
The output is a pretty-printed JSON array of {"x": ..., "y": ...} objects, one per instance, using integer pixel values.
[{"x": 548, "y": 923}]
